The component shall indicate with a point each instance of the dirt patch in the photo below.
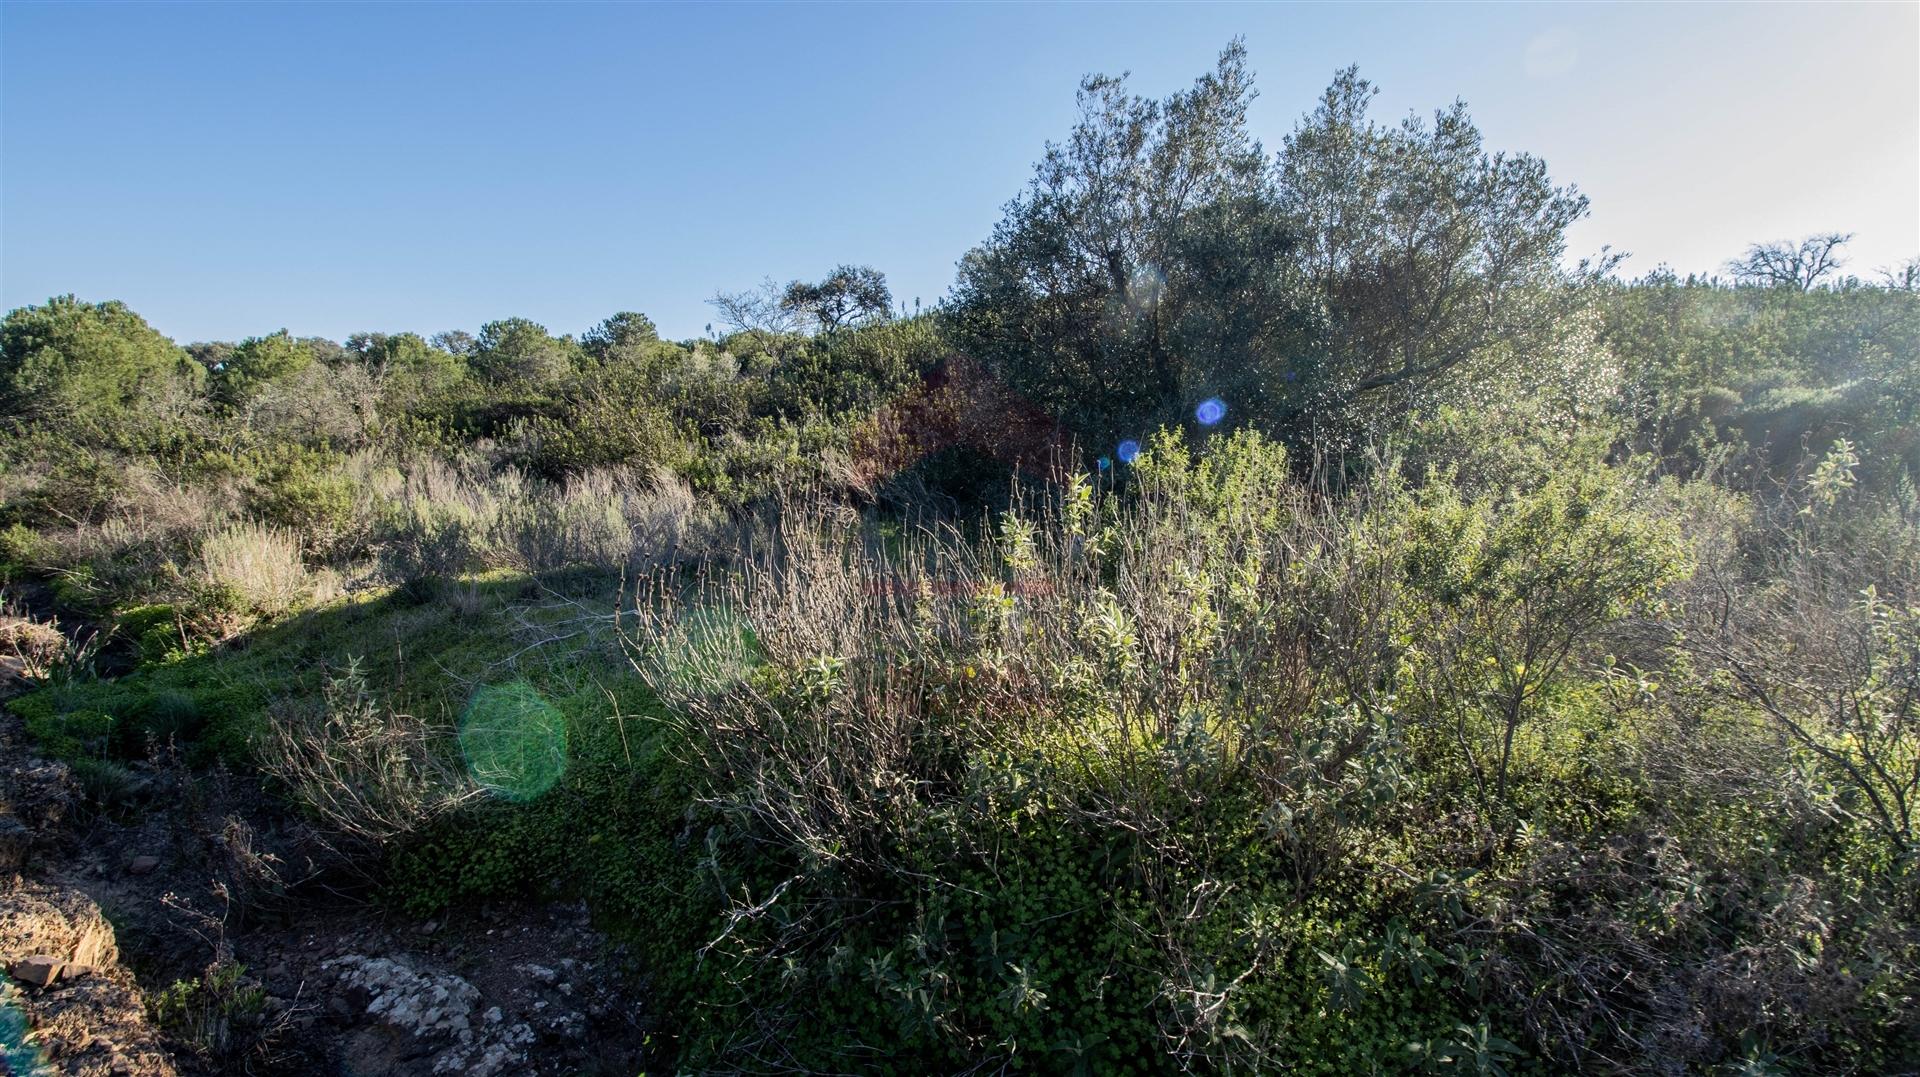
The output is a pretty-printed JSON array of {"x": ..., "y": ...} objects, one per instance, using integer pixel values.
[{"x": 197, "y": 878}]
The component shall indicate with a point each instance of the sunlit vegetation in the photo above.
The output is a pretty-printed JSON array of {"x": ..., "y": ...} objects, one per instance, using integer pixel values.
[{"x": 1390, "y": 648}]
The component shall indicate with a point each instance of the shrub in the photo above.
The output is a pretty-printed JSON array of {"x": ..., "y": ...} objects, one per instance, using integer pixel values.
[
  {"x": 308, "y": 494},
  {"x": 1175, "y": 695},
  {"x": 368, "y": 774},
  {"x": 21, "y": 550},
  {"x": 1504, "y": 593},
  {"x": 223, "y": 1017},
  {"x": 255, "y": 568}
]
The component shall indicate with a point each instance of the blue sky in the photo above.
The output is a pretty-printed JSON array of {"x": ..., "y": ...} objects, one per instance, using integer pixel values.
[{"x": 231, "y": 169}]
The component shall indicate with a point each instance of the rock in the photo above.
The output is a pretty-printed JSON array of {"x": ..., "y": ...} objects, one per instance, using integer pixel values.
[
  {"x": 143, "y": 865},
  {"x": 568, "y": 1026},
  {"x": 63, "y": 924},
  {"x": 420, "y": 1004},
  {"x": 38, "y": 970},
  {"x": 51, "y": 935},
  {"x": 431, "y": 1014},
  {"x": 537, "y": 973}
]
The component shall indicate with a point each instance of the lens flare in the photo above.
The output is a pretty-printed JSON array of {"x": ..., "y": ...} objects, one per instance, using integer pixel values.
[
  {"x": 1127, "y": 450},
  {"x": 707, "y": 649},
  {"x": 1211, "y": 411},
  {"x": 515, "y": 742},
  {"x": 16, "y": 1054}
]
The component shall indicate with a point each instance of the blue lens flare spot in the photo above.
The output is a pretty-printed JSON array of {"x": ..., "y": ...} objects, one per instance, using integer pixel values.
[
  {"x": 17, "y": 1053},
  {"x": 1211, "y": 411},
  {"x": 1104, "y": 462},
  {"x": 1127, "y": 450}
]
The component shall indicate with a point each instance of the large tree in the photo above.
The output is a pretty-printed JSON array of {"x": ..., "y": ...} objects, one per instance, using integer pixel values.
[
  {"x": 1145, "y": 264},
  {"x": 258, "y": 361},
  {"x": 88, "y": 368},
  {"x": 517, "y": 351},
  {"x": 1159, "y": 257},
  {"x": 847, "y": 297},
  {"x": 405, "y": 367},
  {"x": 1800, "y": 266},
  {"x": 1427, "y": 251}
]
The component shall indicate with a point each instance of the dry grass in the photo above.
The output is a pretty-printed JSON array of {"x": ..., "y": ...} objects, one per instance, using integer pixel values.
[
  {"x": 368, "y": 774},
  {"x": 259, "y": 566},
  {"x": 35, "y": 648},
  {"x": 445, "y": 519}
]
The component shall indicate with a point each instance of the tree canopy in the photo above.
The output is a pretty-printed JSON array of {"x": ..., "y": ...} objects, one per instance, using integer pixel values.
[
  {"x": 86, "y": 367},
  {"x": 1160, "y": 257}
]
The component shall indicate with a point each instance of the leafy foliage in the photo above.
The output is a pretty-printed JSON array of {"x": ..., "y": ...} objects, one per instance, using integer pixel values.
[{"x": 1510, "y": 668}]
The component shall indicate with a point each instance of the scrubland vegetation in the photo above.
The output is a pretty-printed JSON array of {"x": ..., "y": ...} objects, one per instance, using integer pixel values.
[{"x": 1515, "y": 669}]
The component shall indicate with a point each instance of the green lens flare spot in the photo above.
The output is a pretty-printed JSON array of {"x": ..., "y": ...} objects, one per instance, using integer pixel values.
[
  {"x": 708, "y": 649},
  {"x": 514, "y": 741}
]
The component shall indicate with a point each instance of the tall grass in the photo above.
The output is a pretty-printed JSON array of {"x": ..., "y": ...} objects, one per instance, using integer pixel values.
[
  {"x": 442, "y": 519},
  {"x": 258, "y": 566}
]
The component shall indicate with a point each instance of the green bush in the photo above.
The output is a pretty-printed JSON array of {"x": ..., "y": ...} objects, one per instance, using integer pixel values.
[{"x": 305, "y": 491}]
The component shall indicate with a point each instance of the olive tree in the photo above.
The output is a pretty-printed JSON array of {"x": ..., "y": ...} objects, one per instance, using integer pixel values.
[
  {"x": 849, "y": 296},
  {"x": 1144, "y": 264},
  {"x": 1427, "y": 251},
  {"x": 1159, "y": 257}
]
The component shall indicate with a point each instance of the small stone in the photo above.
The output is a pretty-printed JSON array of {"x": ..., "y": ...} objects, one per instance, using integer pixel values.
[
  {"x": 429, "y": 927},
  {"x": 39, "y": 970},
  {"x": 143, "y": 865}
]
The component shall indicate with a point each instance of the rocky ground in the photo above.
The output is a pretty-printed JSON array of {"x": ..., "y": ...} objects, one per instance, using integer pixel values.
[{"x": 196, "y": 878}]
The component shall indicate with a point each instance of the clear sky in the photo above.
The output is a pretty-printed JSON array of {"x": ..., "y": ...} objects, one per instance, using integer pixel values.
[{"x": 231, "y": 169}]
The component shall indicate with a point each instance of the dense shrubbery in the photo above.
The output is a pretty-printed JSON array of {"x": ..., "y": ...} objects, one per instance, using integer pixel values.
[
  {"x": 392, "y": 459},
  {"x": 1233, "y": 771},
  {"x": 1521, "y": 678}
]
